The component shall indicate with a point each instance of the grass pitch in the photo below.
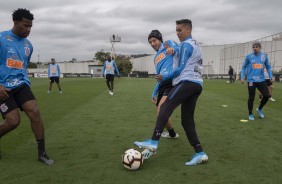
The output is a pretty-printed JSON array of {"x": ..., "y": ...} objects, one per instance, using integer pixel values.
[{"x": 87, "y": 131}]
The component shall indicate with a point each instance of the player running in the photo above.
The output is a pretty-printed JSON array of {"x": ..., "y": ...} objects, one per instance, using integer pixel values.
[
  {"x": 255, "y": 64},
  {"x": 187, "y": 82},
  {"x": 163, "y": 63},
  {"x": 109, "y": 70},
  {"x": 15, "y": 92}
]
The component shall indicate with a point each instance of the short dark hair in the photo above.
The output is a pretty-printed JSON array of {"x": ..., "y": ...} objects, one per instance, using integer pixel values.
[
  {"x": 21, "y": 13},
  {"x": 187, "y": 22}
]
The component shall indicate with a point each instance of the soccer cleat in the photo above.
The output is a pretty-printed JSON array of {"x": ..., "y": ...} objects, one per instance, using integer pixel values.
[
  {"x": 198, "y": 158},
  {"x": 166, "y": 135},
  {"x": 272, "y": 99},
  {"x": 111, "y": 93},
  {"x": 251, "y": 117},
  {"x": 60, "y": 92},
  {"x": 48, "y": 91},
  {"x": 149, "y": 144},
  {"x": 261, "y": 115},
  {"x": 147, "y": 153},
  {"x": 45, "y": 159}
]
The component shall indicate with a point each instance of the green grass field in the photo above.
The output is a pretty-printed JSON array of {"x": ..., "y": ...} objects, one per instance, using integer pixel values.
[{"x": 87, "y": 131}]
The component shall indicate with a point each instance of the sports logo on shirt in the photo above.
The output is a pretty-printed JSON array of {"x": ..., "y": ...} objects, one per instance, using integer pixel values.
[
  {"x": 3, "y": 107},
  {"x": 250, "y": 84},
  {"x": 257, "y": 66},
  {"x": 159, "y": 58},
  {"x": 27, "y": 51},
  {"x": 12, "y": 63},
  {"x": 9, "y": 38},
  {"x": 26, "y": 44}
]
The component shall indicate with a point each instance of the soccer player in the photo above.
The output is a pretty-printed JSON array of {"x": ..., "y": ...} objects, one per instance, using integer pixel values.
[
  {"x": 254, "y": 64},
  {"x": 269, "y": 84},
  {"x": 187, "y": 82},
  {"x": 163, "y": 64},
  {"x": 231, "y": 73},
  {"x": 15, "y": 92},
  {"x": 54, "y": 75},
  {"x": 109, "y": 70}
]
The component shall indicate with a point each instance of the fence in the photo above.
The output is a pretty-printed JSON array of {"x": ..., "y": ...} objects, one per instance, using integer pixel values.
[{"x": 235, "y": 55}]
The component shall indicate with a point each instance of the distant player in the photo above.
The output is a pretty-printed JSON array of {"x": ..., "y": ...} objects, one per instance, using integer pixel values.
[
  {"x": 109, "y": 70},
  {"x": 254, "y": 64},
  {"x": 54, "y": 75},
  {"x": 163, "y": 63},
  {"x": 15, "y": 92},
  {"x": 187, "y": 82},
  {"x": 231, "y": 73},
  {"x": 269, "y": 83}
]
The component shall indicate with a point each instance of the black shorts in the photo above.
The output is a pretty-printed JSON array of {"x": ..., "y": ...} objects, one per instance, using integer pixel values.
[
  {"x": 56, "y": 79},
  {"x": 110, "y": 78},
  {"x": 17, "y": 97},
  {"x": 268, "y": 82},
  {"x": 164, "y": 91}
]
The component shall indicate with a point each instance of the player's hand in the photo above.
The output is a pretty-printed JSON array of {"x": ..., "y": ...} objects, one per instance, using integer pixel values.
[
  {"x": 242, "y": 81},
  {"x": 4, "y": 93},
  {"x": 159, "y": 77},
  {"x": 169, "y": 50},
  {"x": 154, "y": 101}
]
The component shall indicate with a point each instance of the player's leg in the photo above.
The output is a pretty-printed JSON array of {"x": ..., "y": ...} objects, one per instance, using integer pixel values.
[
  {"x": 187, "y": 121},
  {"x": 11, "y": 121},
  {"x": 112, "y": 83},
  {"x": 10, "y": 113},
  {"x": 171, "y": 133},
  {"x": 262, "y": 87},
  {"x": 252, "y": 94},
  {"x": 29, "y": 105},
  {"x": 270, "y": 89},
  {"x": 57, "y": 80},
  {"x": 50, "y": 84},
  {"x": 108, "y": 78},
  {"x": 177, "y": 95}
]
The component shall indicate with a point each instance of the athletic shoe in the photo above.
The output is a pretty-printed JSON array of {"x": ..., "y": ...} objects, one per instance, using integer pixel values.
[
  {"x": 198, "y": 158},
  {"x": 111, "y": 93},
  {"x": 60, "y": 92},
  {"x": 45, "y": 159},
  {"x": 147, "y": 153},
  {"x": 166, "y": 135},
  {"x": 48, "y": 91},
  {"x": 149, "y": 144},
  {"x": 272, "y": 99},
  {"x": 251, "y": 117},
  {"x": 261, "y": 115}
]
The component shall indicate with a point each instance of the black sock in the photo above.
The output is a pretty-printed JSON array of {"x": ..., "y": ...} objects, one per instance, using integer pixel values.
[
  {"x": 157, "y": 134},
  {"x": 40, "y": 146},
  {"x": 198, "y": 148},
  {"x": 171, "y": 132}
]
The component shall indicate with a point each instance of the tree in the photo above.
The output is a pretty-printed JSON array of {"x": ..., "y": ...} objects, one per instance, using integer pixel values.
[
  {"x": 32, "y": 65},
  {"x": 123, "y": 64},
  {"x": 102, "y": 56}
]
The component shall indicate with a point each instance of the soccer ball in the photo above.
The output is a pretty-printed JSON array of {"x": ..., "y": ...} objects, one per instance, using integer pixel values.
[{"x": 132, "y": 159}]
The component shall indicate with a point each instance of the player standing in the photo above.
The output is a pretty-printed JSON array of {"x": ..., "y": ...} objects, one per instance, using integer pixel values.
[
  {"x": 163, "y": 63},
  {"x": 54, "y": 75},
  {"x": 187, "y": 82},
  {"x": 254, "y": 64},
  {"x": 15, "y": 92}
]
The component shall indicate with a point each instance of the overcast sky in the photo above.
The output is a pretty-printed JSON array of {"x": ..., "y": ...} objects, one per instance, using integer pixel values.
[{"x": 66, "y": 29}]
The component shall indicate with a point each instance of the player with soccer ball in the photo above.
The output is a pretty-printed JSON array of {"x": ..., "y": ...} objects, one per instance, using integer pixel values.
[{"x": 187, "y": 82}]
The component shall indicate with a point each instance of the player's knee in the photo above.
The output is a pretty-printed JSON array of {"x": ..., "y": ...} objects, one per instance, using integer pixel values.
[{"x": 13, "y": 121}]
